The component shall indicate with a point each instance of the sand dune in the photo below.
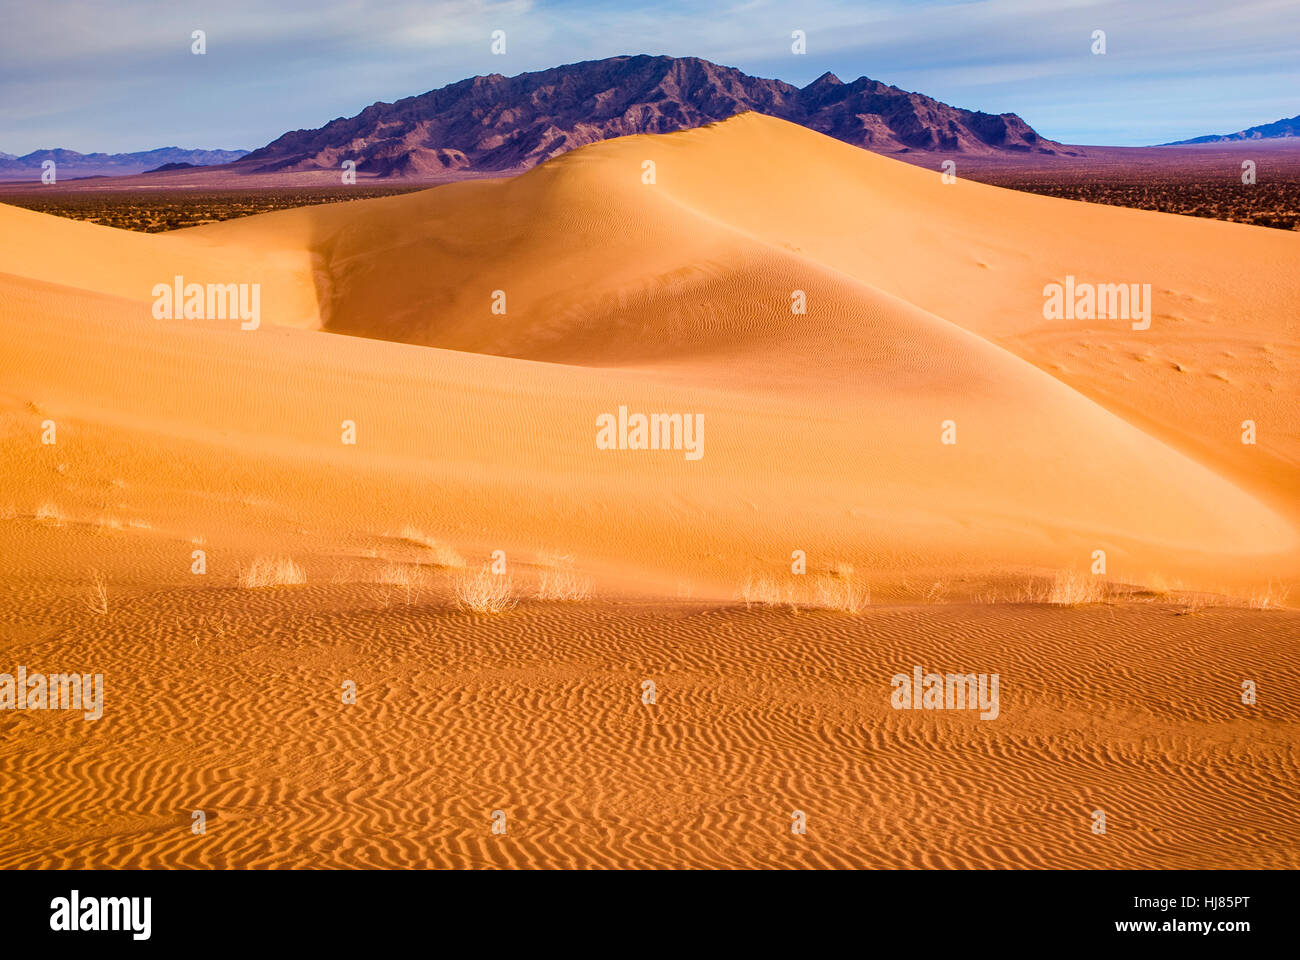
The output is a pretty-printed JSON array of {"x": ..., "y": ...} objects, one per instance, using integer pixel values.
[
  {"x": 477, "y": 430},
  {"x": 823, "y": 429}
]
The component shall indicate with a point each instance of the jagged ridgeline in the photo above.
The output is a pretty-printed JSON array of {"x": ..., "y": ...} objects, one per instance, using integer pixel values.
[{"x": 510, "y": 123}]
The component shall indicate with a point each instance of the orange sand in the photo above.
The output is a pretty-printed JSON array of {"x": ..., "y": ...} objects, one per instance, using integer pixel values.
[{"x": 821, "y": 434}]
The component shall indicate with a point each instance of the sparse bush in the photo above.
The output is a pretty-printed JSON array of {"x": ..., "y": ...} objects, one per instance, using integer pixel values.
[
  {"x": 1270, "y": 598},
  {"x": 842, "y": 594},
  {"x": 271, "y": 572},
  {"x": 1071, "y": 589},
  {"x": 484, "y": 592},
  {"x": 403, "y": 577},
  {"x": 1193, "y": 603},
  {"x": 98, "y": 600},
  {"x": 49, "y": 513},
  {"x": 762, "y": 591}
]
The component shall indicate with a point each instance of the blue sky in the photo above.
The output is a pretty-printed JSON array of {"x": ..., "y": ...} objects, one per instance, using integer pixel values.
[{"x": 118, "y": 75}]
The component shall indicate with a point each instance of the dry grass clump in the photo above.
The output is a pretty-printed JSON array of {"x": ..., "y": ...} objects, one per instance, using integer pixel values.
[
  {"x": 563, "y": 585},
  {"x": 1071, "y": 589},
  {"x": 443, "y": 555},
  {"x": 834, "y": 591},
  {"x": 1193, "y": 603},
  {"x": 98, "y": 599},
  {"x": 397, "y": 577},
  {"x": 485, "y": 592},
  {"x": 49, "y": 513},
  {"x": 271, "y": 572},
  {"x": 761, "y": 591},
  {"x": 1068, "y": 588},
  {"x": 1270, "y": 598},
  {"x": 841, "y": 593}
]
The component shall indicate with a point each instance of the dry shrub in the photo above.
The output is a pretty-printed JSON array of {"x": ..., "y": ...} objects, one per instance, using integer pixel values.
[
  {"x": 1194, "y": 603},
  {"x": 836, "y": 591},
  {"x": 762, "y": 591},
  {"x": 1270, "y": 598},
  {"x": 1071, "y": 589},
  {"x": 485, "y": 592},
  {"x": 98, "y": 600},
  {"x": 271, "y": 572},
  {"x": 842, "y": 594},
  {"x": 402, "y": 577}
]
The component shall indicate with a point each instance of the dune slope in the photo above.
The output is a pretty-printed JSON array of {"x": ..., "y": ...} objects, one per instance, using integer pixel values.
[{"x": 923, "y": 305}]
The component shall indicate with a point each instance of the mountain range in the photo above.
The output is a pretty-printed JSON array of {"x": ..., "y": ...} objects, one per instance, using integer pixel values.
[
  {"x": 1277, "y": 130},
  {"x": 510, "y": 123},
  {"x": 498, "y": 123},
  {"x": 70, "y": 163}
]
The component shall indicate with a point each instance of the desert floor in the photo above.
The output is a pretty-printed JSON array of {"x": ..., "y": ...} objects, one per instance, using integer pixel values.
[
  {"x": 153, "y": 467},
  {"x": 231, "y": 705}
]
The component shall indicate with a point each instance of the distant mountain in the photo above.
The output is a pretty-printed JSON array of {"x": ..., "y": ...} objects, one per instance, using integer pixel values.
[
  {"x": 1277, "y": 130},
  {"x": 174, "y": 166},
  {"x": 507, "y": 123},
  {"x": 70, "y": 164}
]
